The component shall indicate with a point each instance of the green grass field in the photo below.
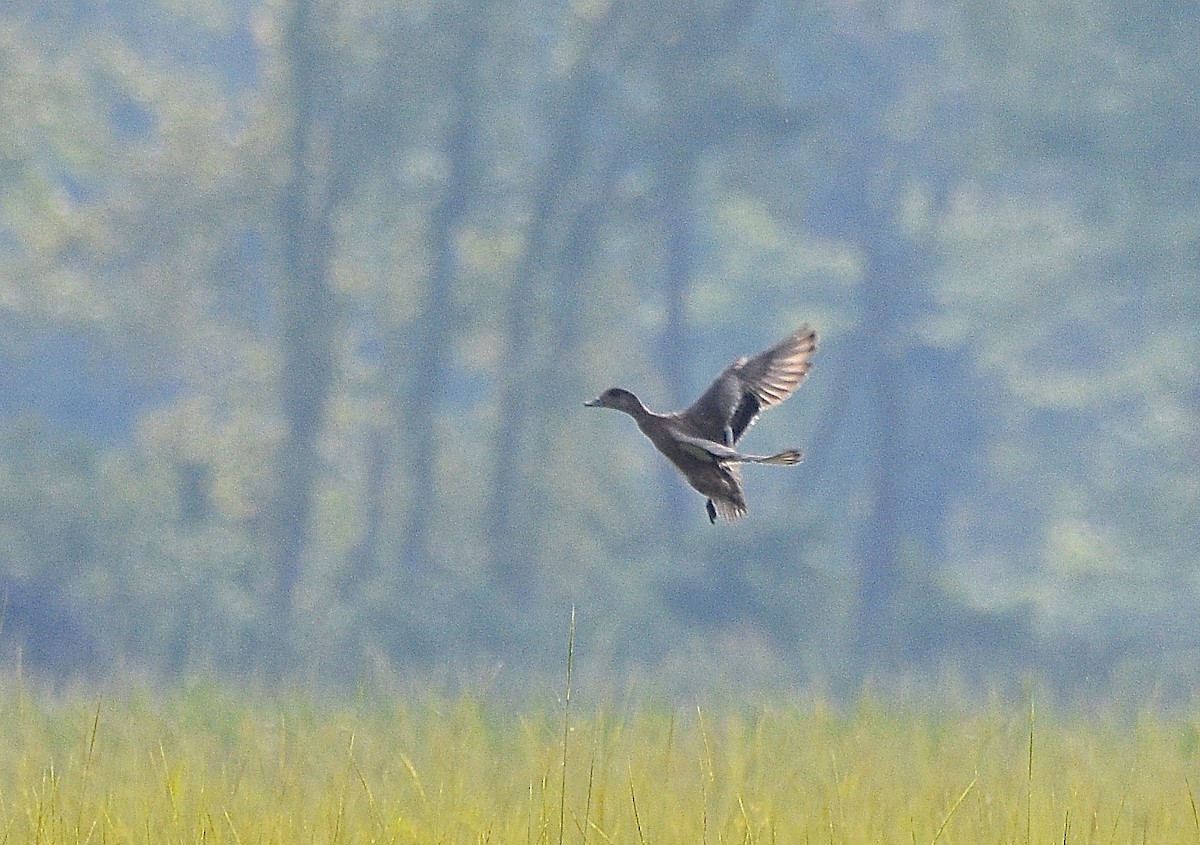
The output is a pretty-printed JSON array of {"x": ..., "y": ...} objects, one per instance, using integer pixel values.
[{"x": 209, "y": 764}]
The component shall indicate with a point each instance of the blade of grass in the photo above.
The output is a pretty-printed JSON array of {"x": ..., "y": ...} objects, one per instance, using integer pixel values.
[
  {"x": 603, "y": 835},
  {"x": 371, "y": 803},
  {"x": 633, "y": 799},
  {"x": 341, "y": 809},
  {"x": 87, "y": 768},
  {"x": 167, "y": 782},
  {"x": 836, "y": 807},
  {"x": 710, "y": 776},
  {"x": 1121, "y": 804},
  {"x": 1192, "y": 798},
  {"x": 416, "y": 779},
  {"x": 587, "y": 807},
  {"x": 562, "y": 794},
  {"x": 953, "y": 809},
  {"x": 748, "y": 836},
  {"x": 232, "y": 827},
  {"x": 1029, "y": 775}
]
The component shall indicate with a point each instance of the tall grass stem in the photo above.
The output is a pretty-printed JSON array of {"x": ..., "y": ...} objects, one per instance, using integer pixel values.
[{"x": 566, "y": 735}]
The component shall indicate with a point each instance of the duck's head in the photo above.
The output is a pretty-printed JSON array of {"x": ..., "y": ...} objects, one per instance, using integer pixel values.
[{"x": 617, "y": 398}]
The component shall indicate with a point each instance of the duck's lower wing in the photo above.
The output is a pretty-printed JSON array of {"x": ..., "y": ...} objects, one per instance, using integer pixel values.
[{"x": 718, "y": 453}]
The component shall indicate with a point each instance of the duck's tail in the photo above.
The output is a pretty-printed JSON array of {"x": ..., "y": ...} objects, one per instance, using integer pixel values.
[{"x": 787, "y": 458}]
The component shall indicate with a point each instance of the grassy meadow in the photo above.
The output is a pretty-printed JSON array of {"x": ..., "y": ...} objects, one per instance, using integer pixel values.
[{"x": 207, "y": 763}]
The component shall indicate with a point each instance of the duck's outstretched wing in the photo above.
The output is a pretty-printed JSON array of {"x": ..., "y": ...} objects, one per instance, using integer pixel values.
[
  {"x": 749, "y": 386},
  {"x": 716, "y": 453}
]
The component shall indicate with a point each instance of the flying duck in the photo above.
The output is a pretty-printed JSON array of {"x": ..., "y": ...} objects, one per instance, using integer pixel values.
[{"x": 699, "y": 440}]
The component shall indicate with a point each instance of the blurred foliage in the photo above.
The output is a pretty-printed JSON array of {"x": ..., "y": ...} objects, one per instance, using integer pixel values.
[{"x": 987, "y": 212}]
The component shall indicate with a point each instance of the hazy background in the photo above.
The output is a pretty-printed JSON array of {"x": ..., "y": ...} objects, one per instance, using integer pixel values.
[{"x": 299, "y": 302}]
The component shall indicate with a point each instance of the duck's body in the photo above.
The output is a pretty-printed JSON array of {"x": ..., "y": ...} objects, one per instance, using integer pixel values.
[{"x": 699, "y": 440}]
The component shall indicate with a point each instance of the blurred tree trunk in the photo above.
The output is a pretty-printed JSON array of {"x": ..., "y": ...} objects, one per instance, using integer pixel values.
[
  {"x": 434, "y": 324},
  {"x": 887, "y": 289},
  {"x": 677, "y": 214},
  {"x": 863, "y": 203},
  {"x": 307, "y": 309},
  {"x": 364, "y": 555},
  {"x": 581, "y": 242},
  {"x": 561, "y": 201}
]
